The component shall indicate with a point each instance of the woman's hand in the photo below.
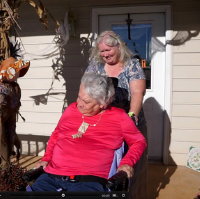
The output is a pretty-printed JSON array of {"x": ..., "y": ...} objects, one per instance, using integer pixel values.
[
  {"x": 41, "y": 163},
  {"x": 128, "y": 169}
]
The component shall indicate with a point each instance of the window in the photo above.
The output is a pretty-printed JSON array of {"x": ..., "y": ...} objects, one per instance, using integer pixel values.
[{"x": 140, "y": 43}]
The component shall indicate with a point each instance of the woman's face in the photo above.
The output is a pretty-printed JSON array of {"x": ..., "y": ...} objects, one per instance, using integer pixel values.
[
  {"x": 87, "y": 105},
  {"x": 109, "y": 54}
]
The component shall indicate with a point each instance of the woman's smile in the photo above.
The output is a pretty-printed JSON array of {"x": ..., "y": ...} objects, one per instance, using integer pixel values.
[{"x": 109, "y": 54}]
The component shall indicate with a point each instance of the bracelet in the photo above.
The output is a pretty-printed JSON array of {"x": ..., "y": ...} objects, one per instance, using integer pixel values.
[
  {"x": 131, "y": 114},
  {"x": 133, "y": 117}
]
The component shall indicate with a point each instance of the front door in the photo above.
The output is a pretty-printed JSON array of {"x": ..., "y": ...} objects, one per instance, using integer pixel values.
[{"x": 144, "y": 34}]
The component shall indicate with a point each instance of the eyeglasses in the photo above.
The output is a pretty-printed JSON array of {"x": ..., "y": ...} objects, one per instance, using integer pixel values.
[
  {"x": 110, "y": 36},
  {"x": 114, "y": 37}
]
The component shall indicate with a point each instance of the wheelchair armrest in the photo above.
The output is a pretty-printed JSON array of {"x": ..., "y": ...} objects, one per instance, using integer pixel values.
[
  {"x": 116, "y": 179},
  {"x": 33, "y": 174}
]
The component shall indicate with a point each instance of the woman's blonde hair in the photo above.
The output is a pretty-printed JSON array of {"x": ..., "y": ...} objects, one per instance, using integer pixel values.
[{"x": 110, "y": 38}]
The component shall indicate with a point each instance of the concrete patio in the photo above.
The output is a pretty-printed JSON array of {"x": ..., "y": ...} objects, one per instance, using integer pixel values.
[
  {"x": 172, "y": 182},
  {"x": 164, "y": 182}
]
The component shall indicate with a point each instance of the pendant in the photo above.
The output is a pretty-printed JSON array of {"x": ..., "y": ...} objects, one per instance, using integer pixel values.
[{"x": 81, "y": 130}]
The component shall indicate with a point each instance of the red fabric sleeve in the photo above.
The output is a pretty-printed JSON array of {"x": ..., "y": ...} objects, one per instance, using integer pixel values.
[{"x": 134, "y": 139}]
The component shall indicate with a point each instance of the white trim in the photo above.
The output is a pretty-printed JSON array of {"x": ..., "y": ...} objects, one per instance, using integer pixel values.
[
  {"x": 168, "y": 67},
  {"x": 168, "y": 87}
]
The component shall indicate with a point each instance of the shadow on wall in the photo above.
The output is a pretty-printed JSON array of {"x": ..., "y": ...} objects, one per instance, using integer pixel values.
[
  {"x": 179, "y": 39},
  {"x": 155, "y": 120},
  {"x": 73, "y": 69},
  {"x": 33, "y": 144},
  {"x": 182, "y": 36},
  {"x": 73, "y": 60},
  {"x": 70, "y": 66},
  {"x": 158, "y": 178}
]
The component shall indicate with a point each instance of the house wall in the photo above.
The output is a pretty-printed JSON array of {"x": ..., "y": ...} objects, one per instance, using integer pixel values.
[
  {"x": 185, "y": 126},
  {"x": 45, "y": 94}
]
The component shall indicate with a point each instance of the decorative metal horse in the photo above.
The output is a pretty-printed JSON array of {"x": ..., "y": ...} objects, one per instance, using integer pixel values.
[{"x": 10, "y": 94}]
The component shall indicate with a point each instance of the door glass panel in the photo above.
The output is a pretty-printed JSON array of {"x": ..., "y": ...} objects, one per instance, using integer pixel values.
[{"x": 139, "y": 43}]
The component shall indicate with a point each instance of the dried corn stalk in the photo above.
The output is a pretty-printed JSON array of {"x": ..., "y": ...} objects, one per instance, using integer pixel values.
[{"x": 8, "y": 17}]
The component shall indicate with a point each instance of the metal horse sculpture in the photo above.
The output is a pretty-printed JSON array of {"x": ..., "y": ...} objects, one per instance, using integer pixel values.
[{"x": 10, "y": 94}]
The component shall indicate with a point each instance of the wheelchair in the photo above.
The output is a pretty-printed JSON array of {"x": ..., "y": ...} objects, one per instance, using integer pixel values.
[{"x": 116, "y": 181}]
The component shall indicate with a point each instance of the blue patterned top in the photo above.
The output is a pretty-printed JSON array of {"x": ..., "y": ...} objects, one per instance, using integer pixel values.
[{"x": 132, "y": 71}]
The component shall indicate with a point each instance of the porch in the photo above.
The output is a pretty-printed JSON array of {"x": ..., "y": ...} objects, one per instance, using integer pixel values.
[{"x": 164, "y": 182}]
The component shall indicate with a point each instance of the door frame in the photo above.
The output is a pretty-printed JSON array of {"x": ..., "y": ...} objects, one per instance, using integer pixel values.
[{"x": 166, "y": 9}]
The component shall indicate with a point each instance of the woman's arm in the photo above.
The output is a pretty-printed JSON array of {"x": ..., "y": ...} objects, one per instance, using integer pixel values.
[
  {"x": 134, "y": 139},
  {"x": 137, "y": 89}
]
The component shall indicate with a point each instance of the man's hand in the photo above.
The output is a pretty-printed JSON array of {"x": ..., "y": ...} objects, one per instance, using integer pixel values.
[
  {"x": 128, "y": 169},
  {"x": 41, "y": 163}
]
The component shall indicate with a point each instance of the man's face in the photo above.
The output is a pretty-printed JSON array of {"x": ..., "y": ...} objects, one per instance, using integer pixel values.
[{"x": 87, "y": 105}]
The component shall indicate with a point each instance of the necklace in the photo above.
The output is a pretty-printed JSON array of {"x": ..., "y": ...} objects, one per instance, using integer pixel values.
[
  {"x": 83, "y": 127},
  {"x": 92, "y": 124}
]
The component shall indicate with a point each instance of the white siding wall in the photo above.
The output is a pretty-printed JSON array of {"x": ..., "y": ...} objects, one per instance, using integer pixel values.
[
  {"x": 44, "y": 97},
  {"x": 186, "y": 78},
  {"x": 41, "y": 119},
  {"x": 186, "y": 103}
]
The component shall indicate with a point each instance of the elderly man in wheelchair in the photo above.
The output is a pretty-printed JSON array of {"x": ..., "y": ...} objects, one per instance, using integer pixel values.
[{"x": 80, "y": 151}]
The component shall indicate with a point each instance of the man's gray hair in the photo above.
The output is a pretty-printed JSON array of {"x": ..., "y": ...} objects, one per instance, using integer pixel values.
[{"x": 98, "y": 87}]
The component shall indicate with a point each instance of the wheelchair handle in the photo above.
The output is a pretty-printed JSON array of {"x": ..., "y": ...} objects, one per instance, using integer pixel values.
[
  {"x": 116, "y": 179},
  {"x": 33, "y": 174}
]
